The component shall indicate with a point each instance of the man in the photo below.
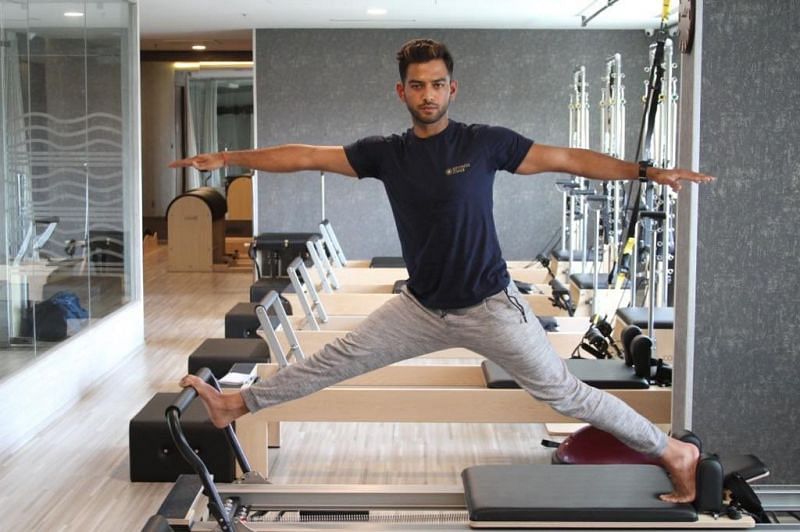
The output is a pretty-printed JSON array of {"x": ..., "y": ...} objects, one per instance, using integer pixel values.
[{"x": 439, "y": 177}]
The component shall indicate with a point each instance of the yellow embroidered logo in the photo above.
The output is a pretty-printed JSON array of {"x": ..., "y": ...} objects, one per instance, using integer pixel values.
[{"x": 460, "y": 169}]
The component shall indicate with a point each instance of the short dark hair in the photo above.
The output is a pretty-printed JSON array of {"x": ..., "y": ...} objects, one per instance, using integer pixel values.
[{"x": 422, "y": 51}]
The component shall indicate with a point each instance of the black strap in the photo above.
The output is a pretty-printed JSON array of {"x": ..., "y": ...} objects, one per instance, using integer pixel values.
[{"x": 646, "y": 130}]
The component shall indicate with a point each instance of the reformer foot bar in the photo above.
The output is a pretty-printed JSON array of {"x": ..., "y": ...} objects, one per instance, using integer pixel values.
[{"x": 491, "y": 496}]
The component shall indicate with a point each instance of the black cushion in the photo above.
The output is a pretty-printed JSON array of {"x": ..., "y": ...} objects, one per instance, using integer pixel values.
[
  {"x": 562, "y": 255},
  {"x": 603, "y": 374},
  {"x": 153, "y": 455},
  {"x": 241, "y": 320},
  {"x": 589, "y": 493},
  {"x": 586, "y": 280},
  {"x": 387, "y": 262},
  {"x": 664, "y": 317},
  {"x": 265, "y": 285},
  {"x": 399, "y": 285},
  {"x": 219, "y": 354}
]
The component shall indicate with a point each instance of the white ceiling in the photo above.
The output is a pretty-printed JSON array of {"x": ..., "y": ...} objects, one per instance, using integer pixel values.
[{"x": 176, "y": 24}]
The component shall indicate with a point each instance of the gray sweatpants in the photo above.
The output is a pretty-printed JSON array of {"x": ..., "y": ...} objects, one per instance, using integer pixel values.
[{"x": 502, "y": 328}]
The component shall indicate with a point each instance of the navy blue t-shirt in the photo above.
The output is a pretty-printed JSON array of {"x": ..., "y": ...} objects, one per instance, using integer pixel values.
[{"x": 440, "y": 189}]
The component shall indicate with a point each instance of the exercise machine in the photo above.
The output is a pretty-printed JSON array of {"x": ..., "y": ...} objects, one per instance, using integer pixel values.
[{"x": 491, "y": 496}]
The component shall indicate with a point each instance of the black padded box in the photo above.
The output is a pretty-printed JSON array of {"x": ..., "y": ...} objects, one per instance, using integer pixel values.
[
  {"x": 278, "y": 250},
  {"x": 262, "y": 287},
  {"x": 603, "y": 374},
  {"x": 241, "y": 320},
  {"x": 664, "y": 317},
  {"x": 219, "y": 354},
  {"x": 586, "y": 493},
  {"x": 387, "y": 262},
  {"x": 153, "y": 455}
]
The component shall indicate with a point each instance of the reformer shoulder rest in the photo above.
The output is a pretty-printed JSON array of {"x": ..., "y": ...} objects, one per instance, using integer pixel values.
[{"x": 603, "y": 374}]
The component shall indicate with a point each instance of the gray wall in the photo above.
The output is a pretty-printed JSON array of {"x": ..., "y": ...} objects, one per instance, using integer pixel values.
[
  {"x": 746, "y": 350},
  {"x": 335, "y": 86}
]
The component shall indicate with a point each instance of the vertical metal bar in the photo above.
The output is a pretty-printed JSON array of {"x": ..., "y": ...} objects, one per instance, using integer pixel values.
[
  {"x": 564, "y": 220},
  {"x": 596, "y": 261},
  {"x": 272, "y": 300},
  {"x": 634, "y": 260},
  {"x": 331, "y": 275},
  {"x": 316, "y": 260},
  {"x": 326, "y": 235},
  {"x": 666, "y": 230},
  {"x": 302, "y": 297},
  {"x": 276, "y": 351},
  {"x": 653, "y": 224},
  {"x": 336, "y": 244},
  {"x": 312, "y": 291},
  {"x": 322, "y": 194}
]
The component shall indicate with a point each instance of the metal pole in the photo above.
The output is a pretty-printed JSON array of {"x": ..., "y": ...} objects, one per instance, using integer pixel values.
[
  {"x": 596, "y": 260},
  {"x": 322, "y": 193},
  {"x": 653, "y": 224}
]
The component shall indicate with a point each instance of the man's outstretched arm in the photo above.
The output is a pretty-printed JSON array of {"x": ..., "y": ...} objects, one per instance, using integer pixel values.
[
  {"x": 587, "y": 163},
  {"x": 285, "y": 158}
]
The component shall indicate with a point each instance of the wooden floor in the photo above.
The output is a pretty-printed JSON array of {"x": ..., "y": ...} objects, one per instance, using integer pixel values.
[{"x": 74, "y": 474}]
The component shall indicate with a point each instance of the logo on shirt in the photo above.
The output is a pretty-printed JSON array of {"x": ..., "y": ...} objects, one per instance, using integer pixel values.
[{"x": 460, "y": 169}]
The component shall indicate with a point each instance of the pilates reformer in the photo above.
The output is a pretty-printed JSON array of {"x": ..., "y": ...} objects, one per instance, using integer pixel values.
[
  {"x": 428, "y": 393},
  {"x": 359, "y": 272},
  {"x": 352, "y": 281},
  {"x": 317, "y": 317},
  {"x": 352, "y": 306},
  {"x": 491, "y": 496},
  {"x": 313, "y": 333}
]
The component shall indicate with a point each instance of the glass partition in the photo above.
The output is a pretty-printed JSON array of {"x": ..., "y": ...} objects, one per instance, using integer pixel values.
[{"x": 67, "y": 163}]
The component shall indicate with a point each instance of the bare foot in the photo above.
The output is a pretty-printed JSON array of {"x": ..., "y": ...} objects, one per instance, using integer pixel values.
[
  {"x": 222, "y": 408},
  {"x": 680, "y": 461}
]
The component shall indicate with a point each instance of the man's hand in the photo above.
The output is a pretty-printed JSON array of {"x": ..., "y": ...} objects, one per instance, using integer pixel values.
[
  {"x": 204, "y": 162},
  {"x": 675, "y": 176}
]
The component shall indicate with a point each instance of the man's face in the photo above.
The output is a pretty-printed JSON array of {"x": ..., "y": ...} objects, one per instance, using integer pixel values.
[{"x": 427, "y": 91}]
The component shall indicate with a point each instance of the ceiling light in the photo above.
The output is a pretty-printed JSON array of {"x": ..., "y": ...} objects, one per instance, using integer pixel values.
[
  {"x": 376, "y": 11},
  {"x": 73, "y": 14},
  {"x": 212, "y": 65},
  {"x": 199, "y": 47}
]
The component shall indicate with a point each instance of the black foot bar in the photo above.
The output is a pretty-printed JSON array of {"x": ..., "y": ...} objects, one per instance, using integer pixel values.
[{"x": 173, "y": 415}]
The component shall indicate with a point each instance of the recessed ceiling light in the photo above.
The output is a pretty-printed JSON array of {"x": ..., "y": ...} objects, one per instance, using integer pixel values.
[
  {"x": 199, "y": 47},
  {"x": 73, "y": 14},
  {"x": 376, "y": 11}
]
